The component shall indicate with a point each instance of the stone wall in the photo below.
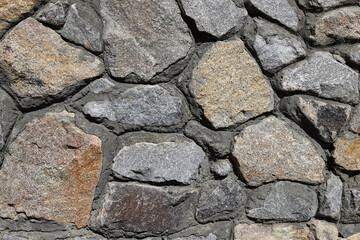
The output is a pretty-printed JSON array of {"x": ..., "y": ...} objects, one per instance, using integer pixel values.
[{"x": 180, "y": 119}]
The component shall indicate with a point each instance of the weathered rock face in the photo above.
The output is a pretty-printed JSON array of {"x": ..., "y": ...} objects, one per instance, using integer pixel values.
[
  {"x": 324, "y": 4},
  {"x": 41, "y": 64},
  {"x": 221, "y": 167},
  {"x": 322, "y": 76},
  {"x": 326, "y": 118},
  {"x": 59, "y": 175},
  {"x": 101, "y": 85},
  {"x": 145, "y": 40},
  {"x": 275, "y": 47},
  {"x": 347, "y": 153},
  {"x": 162, "y": 162},
  {"x": 331, "y": 204},
  {"x": 54, "y": 13},
  {"x": 355, "y": 120},
  {"x": 216, "y": 17},
  {"x": 282, "y": 231},
  {"x": 339, "y": 24},
  {"x": 284, "y": 11},
  {"x": 141, "y": 105},
  {"x": 192, "y": 237},
  {"x": 285, "y": 201},
  {"x": 271, "y": 150},
  {"x": 140, "y": 208},
  {"x": 229, "y": 86},
  {"x": 322, "y": 230}
]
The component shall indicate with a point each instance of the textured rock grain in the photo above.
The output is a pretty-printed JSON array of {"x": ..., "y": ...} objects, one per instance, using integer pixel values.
[
  {"x": 322, "y": 230},
  {"x": 347, "y": 153},
  {"x": 331, "y": 204},
  {"x": 8, "y": 115},
  {"x": 54, "y": 13}
]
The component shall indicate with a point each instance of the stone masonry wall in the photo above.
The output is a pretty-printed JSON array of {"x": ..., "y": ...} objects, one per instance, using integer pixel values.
[{"x": 179, "y": 119}]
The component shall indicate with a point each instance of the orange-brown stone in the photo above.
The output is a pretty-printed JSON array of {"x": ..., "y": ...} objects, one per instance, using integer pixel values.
[
  {"x": 50, "y": 171},
  {"x": 347, "y": 153}
]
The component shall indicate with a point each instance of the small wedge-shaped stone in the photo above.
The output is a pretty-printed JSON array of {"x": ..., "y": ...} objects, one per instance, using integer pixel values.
[
  {"x": 83, "y": 26},
  {"x": 336, "y": 25},
  {"x": 143, "y": 37},
  {"x": 285, "y": 201},
  {"x": 229, "y": 86},
  {"x": 271, "y": 150},
  {"x": 216, "y": 17},
  {"x": 42, "y": 64},
  {"x": 331, "y": 205},
  {"x": 326, "y": 118},
  {"x": 50, "y": 171},
  {"x": 54, "y": 13},
  {"x": 284, "y": 11},
  {"x": 321, "y": 75},
  {"x": 347, "y": 153}
]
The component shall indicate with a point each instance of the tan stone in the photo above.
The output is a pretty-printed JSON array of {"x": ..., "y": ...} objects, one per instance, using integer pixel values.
[
  {"x": 229, "y": 86},
  {"x": 270, "y": 150},
  {"x": 50, "y": 171},
  {"x": 270, "y": 232},
  {"x": 352, "y": 237},
  {"x": 41, "y": 63},
  {"x": 347, "y": 153},
  {"x": 322, "y": 230}
]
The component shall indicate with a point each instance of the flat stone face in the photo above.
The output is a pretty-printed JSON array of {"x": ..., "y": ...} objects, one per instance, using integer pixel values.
[
  {"x": 320, "y": 74},
  {"x": 342, "y": 23},
  {"x": 355, "y": 120},
  {"x": 322, "y": 230},
  {"x": 216, "y": 17},
  {"x": 59, "y": 175},
  {"x": 162, "y": 162},
  {"x": 353, "y": 237},
  {"x": 42, "y": 64},
  {"x": 282, "y": 231},
  {"x": 8, "y": 116},
  {"x": 54, "y": 13},
  {"x": 229, "y": 86},
  {"x": 325, "y": 4},
  {"x": 285, "y": 201},
  {"x": 192, "y": 237},
  {"x": 283, "y": 11},
  {"x": 141, "y": 105},
  {"x": 331, "y": 205},
  {"x": 270, "y": 150},
  {"x": 143, "y": 208},
  {"x": 326, "y": 118},
  {"x": 101, "y": 85},
  {"x": 145, "y": 40},
  {"x": 224, "y": 198},
  {"x": 276, "y": 47},
  {"x": 83, "y": 26},
  {"x": 347, "y": 153}
]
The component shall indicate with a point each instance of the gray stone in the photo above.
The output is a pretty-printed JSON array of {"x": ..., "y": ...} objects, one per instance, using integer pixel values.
[
  {"x": 54, "y": 13},
  {"x": 83, "y": 26},
  {"x": 217, "y": 142},
  {"x": 284, "y": 201},
  {"x": 351, "y": 52},
  {"x": 224, "y": 198},
  {"x": 145, "y": 40},
  {"x": 331, "y": 204},
  {"x": 355, "y": 120},
  {"x": 356, "y": 198},
  {"x": 193, "y": 237},
  {"x": 101, "y": 85},
  {"x": 162, "y": 162},
  {"x": 222, "y": 230},
  {"x": 275, "y": 47},
  {"x": 86, "y": 238},
  {"x": 1, "y": 138},
  {"x": 285, "y": 12},
  {"x": 324, "y": 118},
  {"x": 216, "y": 17},
  {"x": 221, "y": 167},
  {"x": 325, "y": 4},
  {"x": 142, "y": 105},
  {"x": 8, "y": 237},
  {"x": 321, "y": 75}
]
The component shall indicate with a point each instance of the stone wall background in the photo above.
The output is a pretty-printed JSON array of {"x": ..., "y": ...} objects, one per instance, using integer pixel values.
[{"x": 187, "y": 119}]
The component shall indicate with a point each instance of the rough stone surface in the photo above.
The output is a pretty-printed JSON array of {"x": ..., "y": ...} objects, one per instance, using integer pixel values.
[
  {"x": 347, "y": 153},
  {"x": 229, "y": 86},
  {"x": 140, "y": 208},
  {"x": 275, "y": 47},
  {"x": 217, "y": 142},
  {"x": 41, "y": 64},
  {"x": 224, "y": 198},
  {"x": 351, "y": 52},
  {"x": 59, "y": 175},
  {"x": 271, "y": 150},
  {"x": 321, "y": 75},
  {"x": 216, "y": 17},
  {"x": 101, "y": 85},
  {"x": 325, "y": 4},
  {"x": 162, "y": 162},
  {"x": 221, "y": 167},
  {"x": 8, "y": 115},
  {"x": 355, "y": 120},
  {"x": 141, "y": 105},
  {"x": 281, "y": 231},
  {"x": 283, "y": 11},
  {"x": 8, "y": 237},
  {"x": 83, "y": 26},
  {"x": 353, "y": 237},
  {"x": 331, "y": 204},
  {"x": 193, "y": 237},
  {"x": 334, "y": 26},
  {"x": 284, "y": 201},
  {"x": 54, "y": 13},
  {"x": 145, "y": 40},
  {"x": 322, "y": 230},
  {"x": 326, "y": 118}
]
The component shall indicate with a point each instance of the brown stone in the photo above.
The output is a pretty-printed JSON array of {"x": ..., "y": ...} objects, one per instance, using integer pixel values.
[
  {"x": 228, "y": 84},
  {"x": 50, "y": 171},
  {"x": 352, "y": 237},
  {"x": 41, "y": 64},
  {"x": 347, "y": 153},
  {"x": 322, "y": 230}
]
